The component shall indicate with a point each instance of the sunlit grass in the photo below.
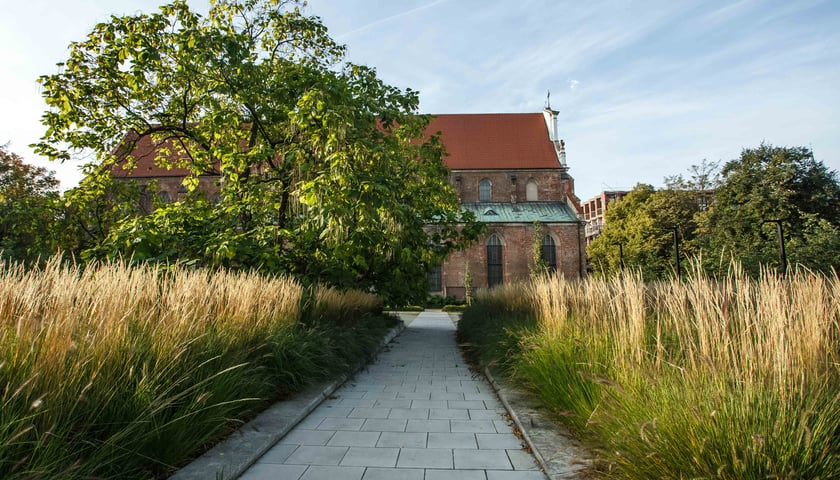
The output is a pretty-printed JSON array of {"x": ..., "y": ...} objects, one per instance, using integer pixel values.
[
  {"x": 113, "y": 371},
  {"x": 701, "y": 378}
]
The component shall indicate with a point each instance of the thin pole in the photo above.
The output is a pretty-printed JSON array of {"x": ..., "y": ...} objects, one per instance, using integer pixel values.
[
  {"x": 677, "y": 251},
  {"x": 781, "y": 233},
  {"x": 620, "y": 255},
  {"x": 782, "y": 254}
]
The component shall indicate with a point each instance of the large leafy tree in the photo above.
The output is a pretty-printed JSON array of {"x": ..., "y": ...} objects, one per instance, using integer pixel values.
[
  {"x": 324, "y": 170},
  {"x": 90, "y": 212},
  {"x": 28, "y": 208},
  {"x": 775, "y": 183},
  {"x": 643, "y": 223}
]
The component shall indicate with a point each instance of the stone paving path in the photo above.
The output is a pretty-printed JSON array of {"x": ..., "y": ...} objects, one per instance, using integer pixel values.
[{"x": 416, "y": 413}]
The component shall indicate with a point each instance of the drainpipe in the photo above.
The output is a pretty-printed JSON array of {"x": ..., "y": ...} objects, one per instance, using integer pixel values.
[{"x": 580, "y": 253}]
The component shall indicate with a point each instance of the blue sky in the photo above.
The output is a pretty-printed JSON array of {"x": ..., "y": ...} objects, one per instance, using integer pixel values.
[{"x": 644, "y": 89}]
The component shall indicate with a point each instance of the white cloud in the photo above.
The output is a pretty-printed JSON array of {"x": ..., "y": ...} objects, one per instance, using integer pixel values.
[{"x": 644, "y": 88}]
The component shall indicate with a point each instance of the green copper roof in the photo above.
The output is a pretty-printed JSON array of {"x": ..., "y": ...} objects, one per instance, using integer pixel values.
[{"x": 546, "y": 212}]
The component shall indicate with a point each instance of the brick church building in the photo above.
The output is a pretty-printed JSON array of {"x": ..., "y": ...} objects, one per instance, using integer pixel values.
[
  {"x": 507, "y": 168},
  {"x": 510, "y": 170}
]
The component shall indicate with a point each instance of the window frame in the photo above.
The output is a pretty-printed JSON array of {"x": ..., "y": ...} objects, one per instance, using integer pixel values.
[
  {"x": 435, "y": 278},
  {"x": 485, "y": 190},
  {"x": 495, "y": 261},
  {"x": 548, "y": 252},
  {"x": 531, "y": 185}
]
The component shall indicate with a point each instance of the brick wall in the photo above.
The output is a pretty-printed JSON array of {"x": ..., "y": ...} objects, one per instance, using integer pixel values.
[
  {"x": 517, "y": 238},
  {"x": 518, "y": 241},
  {"x": 551, "y": 186},
  {"x": 173, "y": 188}
]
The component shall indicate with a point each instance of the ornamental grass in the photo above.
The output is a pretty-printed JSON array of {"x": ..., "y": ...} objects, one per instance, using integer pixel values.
[
  {"x": 118, "y": 371},
  {"x": 732, "y": 377}
]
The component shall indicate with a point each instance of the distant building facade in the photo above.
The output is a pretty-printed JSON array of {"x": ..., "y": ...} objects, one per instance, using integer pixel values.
[
  {"x": 594, "y": 210},
  {"x": 508, "y": 169}
]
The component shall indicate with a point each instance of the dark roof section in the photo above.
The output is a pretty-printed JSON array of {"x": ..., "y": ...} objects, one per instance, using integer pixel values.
[
  {"x": 491, "y": 141},
  {"x": 495, "y": 141},
  {"x": 528, "y": 212}
]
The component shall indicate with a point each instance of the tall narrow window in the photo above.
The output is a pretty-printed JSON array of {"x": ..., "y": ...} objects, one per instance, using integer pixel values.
[
  {"x": 435, "y": 277},
  {"x": 494, "y": 261},
  {"x": 549, "y": 253},
  {"x": 484, "y": 190},
  {"x": 531, "y": 194}
]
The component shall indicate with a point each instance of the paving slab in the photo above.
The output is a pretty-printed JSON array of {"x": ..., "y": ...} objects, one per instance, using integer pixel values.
[
  {"x": 490, "y": 441},
  {"x": 354, "y": 439},
  {"x": 301, "y": 436},
  {"x": 332, "y": 473},
  {"x": 371, "y": 457},
  {"x": 452, "y": 440},
  {"x": 559, "y": 455},
  {"x": 373, "y": 473},
  {"x": 482, "y": 459},
  {"x": 416, "y": 413},
  {"x": 425, "y": 458},
  {"x": 402, "y": 439},
  {"x": 316, "y": 455},
  {"x": 384, "y": 425},
  {"x": 432, "y": 474},
  {"x": 234, "y": 455}
]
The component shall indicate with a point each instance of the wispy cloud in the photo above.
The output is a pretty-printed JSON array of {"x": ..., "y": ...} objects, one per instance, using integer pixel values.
[
  {"x": 725, "y": 14},
  {"x": 382, "y": 21},
  {"x": 644, "y": 88}
]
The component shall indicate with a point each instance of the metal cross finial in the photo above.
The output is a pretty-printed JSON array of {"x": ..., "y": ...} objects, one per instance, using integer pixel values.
[{"x": 548, "y": 99}]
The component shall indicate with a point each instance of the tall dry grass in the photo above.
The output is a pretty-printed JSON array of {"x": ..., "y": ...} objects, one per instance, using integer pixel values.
[
  {"x": 117, "y": 371},
  {"x": 727, "y": 378},
  {"x": 342, "y": 307}
]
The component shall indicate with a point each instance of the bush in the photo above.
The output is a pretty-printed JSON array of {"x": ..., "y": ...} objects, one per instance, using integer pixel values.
[
  {"x": 454, "y": 308},
  {"x": 437, "y": 301}
]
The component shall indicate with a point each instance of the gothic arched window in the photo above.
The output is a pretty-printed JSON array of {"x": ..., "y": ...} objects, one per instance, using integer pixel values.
[
  {"x": 531, "y": 194},
  {"x": 549, "y": 253},
  {"x": 494, "y": 261}
]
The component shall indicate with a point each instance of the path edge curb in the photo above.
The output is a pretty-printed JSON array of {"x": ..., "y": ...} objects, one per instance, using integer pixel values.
[
  {"x": 230, "y": 458},
  {"x": 534, "y": 450}
]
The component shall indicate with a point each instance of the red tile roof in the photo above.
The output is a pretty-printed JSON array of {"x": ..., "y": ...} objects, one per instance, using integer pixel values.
[
  {"x": 144, "y": 153},
  {"x": 495, "y": 141},
  {"x": 473, "y": 141}
]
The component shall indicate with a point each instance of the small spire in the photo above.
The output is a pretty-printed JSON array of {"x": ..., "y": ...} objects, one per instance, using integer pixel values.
[
  {"x": 561, "y": 153},
  {"x": 548, "y": 99}
]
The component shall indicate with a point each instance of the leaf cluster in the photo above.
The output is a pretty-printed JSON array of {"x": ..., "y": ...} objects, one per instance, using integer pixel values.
[
  {"x": 725, "y": 215},
  {"x": 775, "y": 183},
  {"x": 29, "y": 201},
  {"x": 323, "y": 170},
  {"x": 641, "y": 226}
]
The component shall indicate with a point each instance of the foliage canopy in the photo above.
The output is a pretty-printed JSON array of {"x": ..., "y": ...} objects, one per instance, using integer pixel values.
[
  {"x": 28, "y": 209},
  {"x": 323, "y": 170},
  {"x": 642, "y": 223},
  {"x": 725, "y": 216},
  {"x": 775, "y": 183}
]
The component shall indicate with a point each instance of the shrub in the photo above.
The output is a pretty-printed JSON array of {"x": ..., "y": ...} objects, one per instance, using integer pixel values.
[
  {"x": 437, "y": 301},
  {"x": 454, "y": 308}
]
